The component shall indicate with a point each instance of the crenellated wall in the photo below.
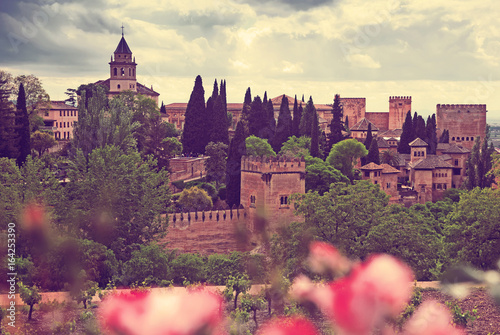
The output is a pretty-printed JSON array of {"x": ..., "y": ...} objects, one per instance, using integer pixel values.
[
  {"x": 464, "y": 122},
  {"x": 354, "y": 108},
  {"x": 398, "y": 108},
  {"x": 209, "y": 232}
]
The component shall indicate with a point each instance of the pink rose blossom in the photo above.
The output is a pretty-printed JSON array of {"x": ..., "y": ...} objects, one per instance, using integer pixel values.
[
  {"x": 296, "y": 325},
  {"x": 170, "y": 313},
  {"x": 324, "y": 257},
  {"x": 431, "y": 318}
]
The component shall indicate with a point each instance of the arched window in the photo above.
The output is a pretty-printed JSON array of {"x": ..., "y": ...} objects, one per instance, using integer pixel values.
[
  {"x": 118, "y": 85},
  {"x": 115, "y": 71},
  {"x": 453, "y": 138},
  {"x": 123, "y": 72},
  {"x": 129, "y": 72},
  {"x": 133, "y": 72}
]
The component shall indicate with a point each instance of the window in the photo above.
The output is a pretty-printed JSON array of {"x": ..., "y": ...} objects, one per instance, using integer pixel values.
[
  {"x": 129, "y": 72},
  {"x": 123, "y": 72},
  {"x": 284, "y": 200},
  {"x": 252, "y": 201},
  {"x": 453, "y": 138},
  {"x": 462, "y": 138},
  {"x": 456, "y": 162},
  {"x": 438, "y": 186},
  {"x": 415, "y": 153},
  {"x": 472, "y": 139},
  {"x": 115, "y": 70},
  {"x": 64, "y": 113},
  {"x": 375, "y": 182},
  {"x": 367, "y": 173},
  {"x": 118, "y": 85},
  {"x": 388, "y": 185},
  {"x": 444, "y": 186}
]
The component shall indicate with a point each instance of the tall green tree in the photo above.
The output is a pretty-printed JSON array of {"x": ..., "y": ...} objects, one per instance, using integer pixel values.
[
  {"x": 320, "y": 175},
  {"x": 9, "y": 138},
  {"x": 445, "y": 137},
  {"x": 270, "y": 127},
  {"x": 479, "y": 164},
  {"x": 284, "y": 125},
  {"x": 419, "y": 126},
  {"x": 296, "y": 147},
  {"x": 247, "y": 103},
  {"x": 258, "y": 118},
  {"x": 307, "y": 118},
  {"x": 407, "y": 135},
  {"x": 344, "y": 215},
  {"x": 115, "y": 198},
  {"x": 102, "y": 122},
  {"x": 233, "y": 168},
  {"x": 315, "y": 136},
  {"x": 336, "y": 124},
  {"x": 297, "y": 115},
  {"x": 220, "y": 131},
  {"x": 473, "y": 229},
  {"x": 344, "y": 156},
  {"x": 193, "y": 139},
  {"x": 215, "y": 165},
  {"x": 431, "y": 134},
  {"x": 22, "y": 127},
  {"x": 373, "y": 153},
  {"x": 257, "y": 146}
]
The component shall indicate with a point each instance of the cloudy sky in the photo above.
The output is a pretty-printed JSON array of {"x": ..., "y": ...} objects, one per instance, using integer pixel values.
[{"x": 440, "y": 51}]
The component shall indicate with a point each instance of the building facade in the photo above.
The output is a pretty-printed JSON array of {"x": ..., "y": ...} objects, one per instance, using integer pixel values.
[{"x": 60, "y": 119}]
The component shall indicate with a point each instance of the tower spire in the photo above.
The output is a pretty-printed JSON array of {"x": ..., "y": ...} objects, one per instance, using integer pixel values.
[{"x": 122, "y": 29}]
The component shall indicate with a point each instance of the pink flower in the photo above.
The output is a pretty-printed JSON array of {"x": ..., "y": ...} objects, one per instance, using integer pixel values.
[
  {"x": 374, "y": 290},
  {"x": 163, "y": 313},
  {"x": 431, "y": 318},
  {"x": 325, "y": 257},
  {"x": 296, "y": 325}
]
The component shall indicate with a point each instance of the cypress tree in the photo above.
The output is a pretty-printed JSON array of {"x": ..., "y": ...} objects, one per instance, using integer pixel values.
[
  {"x": 237, "y": 149},
  {"x": 373, "y": 154},
  {"x": 264, "y": 100},
  {"x": 406, "y": 135},
  {"x": 306, "y": 119},
  {"x": 9, "y": 139},
  {"x": 247, "y": 103},
  {"x": 315, "y": 136},
  {"x": 369, "y": 137},
  {"x": 163, "y": 110},
  {"x": 431, "y": 134},
  {"x": 346, "y": 124},
  {"x": 215, "y": 91},
  {"x": 257, "y": 119},
  {"x": 296, "y": 118},
  {"x": 193, "y": 141},
  {"x": 420, "y": 131},
  {"x": 270, "y": 126},
  {"x": 284, "y": 126},
  {"x": 210, "y": 117},
  {"x": 23, "y": 127},
  {"x": 336, "y": 124},
  {"x": 445, "y": 137},
  {"x": 220, "y": 132}
]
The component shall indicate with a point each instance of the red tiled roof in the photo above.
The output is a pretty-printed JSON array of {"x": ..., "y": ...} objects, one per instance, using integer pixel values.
[
  {"x": 362, "y": 125},
  {"x": 60, "y": 105},
  {"x": 371, "y": 166},
  {"x": 388, "y": 169},
  {"x": 418, "y": 143}
]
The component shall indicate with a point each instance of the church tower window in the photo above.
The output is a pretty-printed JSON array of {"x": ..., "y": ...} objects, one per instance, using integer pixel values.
[{"x": 115, "y": 71}]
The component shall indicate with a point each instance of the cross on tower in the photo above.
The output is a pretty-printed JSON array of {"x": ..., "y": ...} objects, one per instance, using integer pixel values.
[{"x": 122, "y": 29}]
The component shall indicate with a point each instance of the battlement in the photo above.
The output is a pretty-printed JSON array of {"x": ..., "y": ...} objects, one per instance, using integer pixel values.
[
  {"x": 458, "y": 108},
  {"x": 272, "y": 165},
  {"x": 352, "y": 99},
  {"x": 391, "y": 98}
]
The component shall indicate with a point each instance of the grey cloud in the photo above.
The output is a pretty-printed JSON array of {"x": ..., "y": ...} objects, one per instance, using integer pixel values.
[{"x": 294, "y": 4}]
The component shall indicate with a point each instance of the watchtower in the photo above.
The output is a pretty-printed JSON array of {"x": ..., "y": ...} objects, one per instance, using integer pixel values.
[
  {"x": 266, "y": 186},
  {"x": 398, "y": 108}
]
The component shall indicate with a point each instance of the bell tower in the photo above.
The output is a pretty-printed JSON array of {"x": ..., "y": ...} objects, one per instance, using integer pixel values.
[{"x": 122, "y": 69}]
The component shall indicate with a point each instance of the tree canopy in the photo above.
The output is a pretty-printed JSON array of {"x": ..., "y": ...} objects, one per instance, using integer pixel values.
[
  {"x": 258, "y": 147},
  {"x": 344, "y": 156}
]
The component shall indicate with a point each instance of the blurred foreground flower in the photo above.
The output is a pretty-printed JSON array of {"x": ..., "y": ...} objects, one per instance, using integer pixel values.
[
  {"x": 431, "y": 318},
  {"x": 324, "y": 257},
  {"x": 356, "y": 304},
  {"x": 288, "y": 326},
  {"x": 170, "y": 313}
]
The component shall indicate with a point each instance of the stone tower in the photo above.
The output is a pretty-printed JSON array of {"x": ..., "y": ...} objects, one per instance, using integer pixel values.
[
  {"x": 398, "y": 107},
  {"x": 464, "y": 122},
  {"x": 122, "y": 69},
  {"x": 266, "y": 185}
]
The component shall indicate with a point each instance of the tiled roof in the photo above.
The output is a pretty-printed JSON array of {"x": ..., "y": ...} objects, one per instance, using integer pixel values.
[
  {"x": 60, "y": 105},
  {"x": 362, "y": 125},
  {"x": 391, "y": 133},
  {"x": 122, "y": 47},
  {"x": 418, "y": 143},
  {"x": 388, "y": 169},
  {"x": 401, "y": 159},
  {"x": 382, "y": 143},
  {"x": 445, "y": 157},
  {"x": 431, "y": 162},
  {"x": 371, "y": 166},
  {"x": 277, "y": 100},
  {"x": 141, "y": 89},
  {"x": 455, "y": 149}
]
